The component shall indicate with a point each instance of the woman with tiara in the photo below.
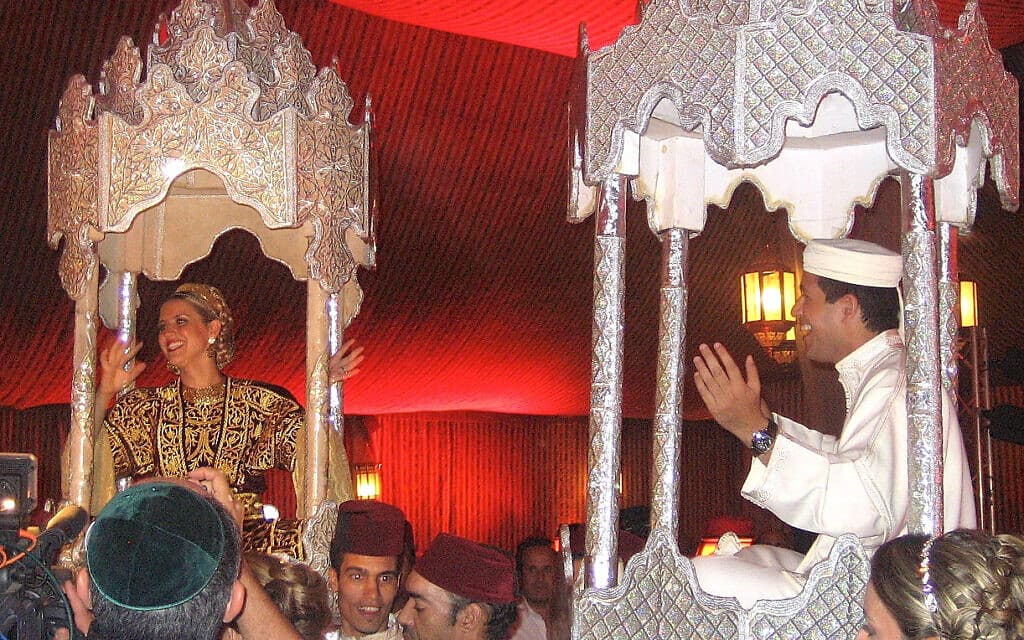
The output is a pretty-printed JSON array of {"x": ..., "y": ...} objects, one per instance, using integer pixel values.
[
  {"x": 204, "y": 418},
  {"x": 964, "y": 585}
]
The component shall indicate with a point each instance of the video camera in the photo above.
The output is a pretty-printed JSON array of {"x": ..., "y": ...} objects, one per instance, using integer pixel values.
[{"x": 32, "y": 604}]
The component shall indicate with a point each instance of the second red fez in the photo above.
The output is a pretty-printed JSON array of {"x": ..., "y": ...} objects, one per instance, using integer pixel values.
[
  {"x": 468, "y": 569},
  {"x": 368, "y": 528}
]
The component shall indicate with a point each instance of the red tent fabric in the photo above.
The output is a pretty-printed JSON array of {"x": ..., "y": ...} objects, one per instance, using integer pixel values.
[
  {"x": 481, "y": 300},
  {"x": 553, "y": 25}
]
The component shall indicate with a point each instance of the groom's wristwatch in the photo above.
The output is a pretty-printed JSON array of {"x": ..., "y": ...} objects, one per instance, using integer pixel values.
[{"x": 763, "y": 440}]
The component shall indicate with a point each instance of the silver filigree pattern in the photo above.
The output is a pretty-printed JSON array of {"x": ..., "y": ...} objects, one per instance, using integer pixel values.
[
  {"x": 314, "y": 489},
  {"x": 972, "y": 84},
  {"x": 230, "y": 91},
  {"x": 606, "y": 386},
  {"x": 924, "y": 387},
  {"x": 668, "y": 418},
  {"x": 949, "y": 305},
  {"x": 659, "y": 597},
  {"x": 77, "y": 456},
  {"x": 74, "y": 186},
  {"x": 333, "y": 155},
  {"x": 253, "y": 159},
  {"x": 317, "y": 533},
  {"x": 119, "y": 81},
  {"x": 740, "y": 70},
  {"x": 278, "y": 62}
]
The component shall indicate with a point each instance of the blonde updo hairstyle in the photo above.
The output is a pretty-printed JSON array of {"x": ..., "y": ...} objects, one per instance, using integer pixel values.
[
  {"x": 210, "y": 305},
  {"x": 297, "y": 590},
  {"x": 978, "y": 580}
]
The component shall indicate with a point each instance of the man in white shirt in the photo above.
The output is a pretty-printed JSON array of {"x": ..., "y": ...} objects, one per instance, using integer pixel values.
[
  {"x": 368, "y": 541},
  {"x": 542, "y": 614},
  {"x": 848, "y": 313}
]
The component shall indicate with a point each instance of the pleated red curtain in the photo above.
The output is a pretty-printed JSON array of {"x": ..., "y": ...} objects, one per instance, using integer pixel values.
[
  {"x": 499, "y": 478},
  {"x": 1008, "y": 470}
]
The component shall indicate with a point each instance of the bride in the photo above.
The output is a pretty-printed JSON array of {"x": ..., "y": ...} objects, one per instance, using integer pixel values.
[{"x": 204, "y": 418}]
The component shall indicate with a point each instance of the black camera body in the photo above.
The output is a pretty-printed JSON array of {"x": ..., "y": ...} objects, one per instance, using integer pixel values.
[
  {"x": 17, "y": 493},
  {"x": 32, "y": 603}
]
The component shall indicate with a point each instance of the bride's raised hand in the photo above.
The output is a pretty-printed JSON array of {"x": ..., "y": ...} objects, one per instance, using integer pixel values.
[
  {"x": 118, "y": 366},
  {"x": 345, "y": 363}
]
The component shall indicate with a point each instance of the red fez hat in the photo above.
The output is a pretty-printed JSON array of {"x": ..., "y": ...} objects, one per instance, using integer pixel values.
[
  {"x": 468, "y": 569},
  {"x": 368, "y": 528}
]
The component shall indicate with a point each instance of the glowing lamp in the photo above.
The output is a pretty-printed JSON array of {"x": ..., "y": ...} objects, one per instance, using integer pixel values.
[
  {"x": 368, "y": 481},
  {"x": 968, "y": 303},
  {"x": 768, "y": 294}
]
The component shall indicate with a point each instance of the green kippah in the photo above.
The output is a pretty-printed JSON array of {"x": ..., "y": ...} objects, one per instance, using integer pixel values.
[{"x": 154, "y": 546}]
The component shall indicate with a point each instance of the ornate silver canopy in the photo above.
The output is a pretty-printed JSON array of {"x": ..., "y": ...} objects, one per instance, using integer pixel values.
[
  {"x": 815, "y": 102},
  {"x": 228, "y": 125},
  {"x": 747, "y": 78}
]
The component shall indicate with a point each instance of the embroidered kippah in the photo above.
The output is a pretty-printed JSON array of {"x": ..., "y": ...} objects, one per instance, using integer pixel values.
[{"x": 154, "y": 546}]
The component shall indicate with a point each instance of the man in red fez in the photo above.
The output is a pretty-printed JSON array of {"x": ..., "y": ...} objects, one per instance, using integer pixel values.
[
  {"x": 460, "y": 590},
  {"x": 369, "y": 539}
]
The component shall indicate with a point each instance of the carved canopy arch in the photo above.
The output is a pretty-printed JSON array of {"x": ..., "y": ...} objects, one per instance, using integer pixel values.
[{"x": 229, "y": 91}]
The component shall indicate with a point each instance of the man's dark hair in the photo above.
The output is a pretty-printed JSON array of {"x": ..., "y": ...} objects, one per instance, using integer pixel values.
[
  {"x": 500, "y": 620},
  {"x": 879, "y": 306},
  {"x": 199, "y": 618},
  {"x": 533, "y": 542}
]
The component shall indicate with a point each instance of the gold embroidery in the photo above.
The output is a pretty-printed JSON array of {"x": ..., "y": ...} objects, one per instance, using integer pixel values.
[{"x": 250, "y": 430}]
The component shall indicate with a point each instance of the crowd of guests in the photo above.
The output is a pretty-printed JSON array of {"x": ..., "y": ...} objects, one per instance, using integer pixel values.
[{"x": 165, "y": 561}]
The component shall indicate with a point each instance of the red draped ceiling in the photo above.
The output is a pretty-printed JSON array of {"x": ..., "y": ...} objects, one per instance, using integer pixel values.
[
  {"x": 553, "y": 25},
  {"x": 482, "y": 297}
]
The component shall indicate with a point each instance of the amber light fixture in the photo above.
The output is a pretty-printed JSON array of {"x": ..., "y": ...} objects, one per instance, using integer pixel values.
[
  {"x": 367, "y": 481},
  {"x": 768, "y": 293},
  {"x": 968, "y": 303}
]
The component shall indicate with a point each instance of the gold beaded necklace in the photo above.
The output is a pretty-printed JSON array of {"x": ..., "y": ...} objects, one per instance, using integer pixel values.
[{"x": 203, "y": 395}]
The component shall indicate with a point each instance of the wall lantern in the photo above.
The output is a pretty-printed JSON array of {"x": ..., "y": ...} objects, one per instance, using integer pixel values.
[
  {"x": 968, "y": 303},
  {"x": 768, "y": 293},
  {"x": 367, "y": 481}
]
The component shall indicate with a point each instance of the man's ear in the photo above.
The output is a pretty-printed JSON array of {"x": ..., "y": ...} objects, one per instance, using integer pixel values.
[
  {"x": 849, "y": 308},
  {"x": 472, "y": 618},
  {"x": 235, "y": 602},
  {"x": 82, "y": 587},
  {"x": 332, "y": 578}
]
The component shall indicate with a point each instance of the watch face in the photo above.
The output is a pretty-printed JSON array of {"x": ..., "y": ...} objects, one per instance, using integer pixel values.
[{"x": 761, "y": 441}]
